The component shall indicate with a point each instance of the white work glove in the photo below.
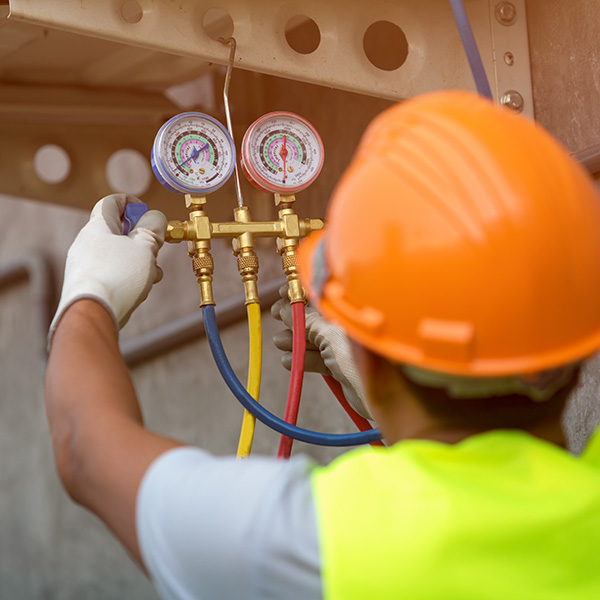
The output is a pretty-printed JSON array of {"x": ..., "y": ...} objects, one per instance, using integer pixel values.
[
  {"x": 115, "y": 270},
  {"x": 327, "y": 351}
]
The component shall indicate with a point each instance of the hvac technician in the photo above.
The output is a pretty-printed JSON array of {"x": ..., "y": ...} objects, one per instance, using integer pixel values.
[{"x": 471, "y": 303}]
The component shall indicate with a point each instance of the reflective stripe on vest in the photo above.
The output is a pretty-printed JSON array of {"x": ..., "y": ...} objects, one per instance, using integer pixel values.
[{"x": 501, "y": 515}]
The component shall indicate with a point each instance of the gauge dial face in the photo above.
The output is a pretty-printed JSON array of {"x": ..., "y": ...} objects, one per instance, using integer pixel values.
[
  {"x": 282, "y": 153},
  {"x": 193, "y": 153}
]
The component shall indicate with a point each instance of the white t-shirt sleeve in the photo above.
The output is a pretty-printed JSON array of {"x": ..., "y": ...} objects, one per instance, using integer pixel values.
[{"x": 218, "y": 528}]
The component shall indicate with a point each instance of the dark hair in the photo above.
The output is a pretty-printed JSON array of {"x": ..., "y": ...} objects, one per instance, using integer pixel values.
[{"x": 495, "y": 412}]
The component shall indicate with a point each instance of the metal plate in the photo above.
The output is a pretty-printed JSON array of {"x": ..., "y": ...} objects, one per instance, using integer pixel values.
[{"x": 435, "y": 55}]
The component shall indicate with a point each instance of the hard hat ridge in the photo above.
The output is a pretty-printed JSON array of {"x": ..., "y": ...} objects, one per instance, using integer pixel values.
[{"x": 446, "y": 164}]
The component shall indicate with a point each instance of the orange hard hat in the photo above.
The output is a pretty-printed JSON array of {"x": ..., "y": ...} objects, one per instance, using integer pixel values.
[{"x": 462, "y": 239}]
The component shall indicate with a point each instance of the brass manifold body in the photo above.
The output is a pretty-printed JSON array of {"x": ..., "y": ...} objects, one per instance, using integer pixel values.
[{"x": 199, "y": 230}]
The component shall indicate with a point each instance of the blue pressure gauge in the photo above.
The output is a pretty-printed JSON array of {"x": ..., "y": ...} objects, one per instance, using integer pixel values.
[{"x": 193, "y": 154}]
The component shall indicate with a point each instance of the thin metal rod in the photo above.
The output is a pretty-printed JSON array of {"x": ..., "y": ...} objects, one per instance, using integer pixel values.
[
  {"x": 232, "y": 43},
  {"x": 35, "y": 267}
]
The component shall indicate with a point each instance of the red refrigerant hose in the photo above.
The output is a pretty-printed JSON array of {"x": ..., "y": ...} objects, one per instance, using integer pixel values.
[
  {"x": 297, "y": 374},
  {"x": 363, "y": 425}
]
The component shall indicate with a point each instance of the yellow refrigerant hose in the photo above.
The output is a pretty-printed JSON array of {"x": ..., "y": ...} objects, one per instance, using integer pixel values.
[{"x": 254, "y": 373}]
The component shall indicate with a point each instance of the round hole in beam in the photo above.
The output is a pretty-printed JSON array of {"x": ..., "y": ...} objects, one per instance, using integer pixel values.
[
  {"x": 385, "y": 45},
  {"x": 127, "y": 171},
  {"x": 52, "y": 164},
  {"x": 217, "y": 23},
  {"x": 131, "y": 11},
  {"x": 302, "y": 34}
]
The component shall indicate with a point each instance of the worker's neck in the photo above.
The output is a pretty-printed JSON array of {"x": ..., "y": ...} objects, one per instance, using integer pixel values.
[
  {"x": 400, "y": 415},
  {"x": 550, "y": 432},
  {"x": 417, "y": 424}
]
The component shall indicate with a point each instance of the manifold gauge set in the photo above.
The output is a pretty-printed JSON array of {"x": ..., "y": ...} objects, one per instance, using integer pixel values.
[
  {"x": 193, "y": 153},
  {"x": 281, "y": 154}
]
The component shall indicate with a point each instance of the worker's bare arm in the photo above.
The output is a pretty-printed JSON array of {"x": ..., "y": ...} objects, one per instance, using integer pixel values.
[{"x": 101, "y": 447}]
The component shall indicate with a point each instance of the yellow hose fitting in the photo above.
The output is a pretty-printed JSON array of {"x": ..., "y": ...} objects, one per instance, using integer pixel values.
[
  {"x": 251, "y": 291},
  {"x": 247, "y": 261}
]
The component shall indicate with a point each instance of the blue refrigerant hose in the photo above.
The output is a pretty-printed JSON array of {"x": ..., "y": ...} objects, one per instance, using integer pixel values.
[
  {"x": 260, "y": 412},
  {"x": 470, "y": 46}
]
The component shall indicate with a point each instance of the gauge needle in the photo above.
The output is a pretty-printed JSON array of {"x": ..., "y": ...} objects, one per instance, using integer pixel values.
[
  {"x": 194, "y": 155},
  {"x": 283, "y": 153}
]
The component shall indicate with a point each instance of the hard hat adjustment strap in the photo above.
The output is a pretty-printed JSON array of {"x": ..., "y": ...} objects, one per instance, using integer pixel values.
[
  {"x": 539, "y": 387},
  {"x": 321, "y": 273}
]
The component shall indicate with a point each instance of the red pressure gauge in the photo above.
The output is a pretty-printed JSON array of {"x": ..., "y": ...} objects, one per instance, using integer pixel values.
[{"x": 282, "y": 153}]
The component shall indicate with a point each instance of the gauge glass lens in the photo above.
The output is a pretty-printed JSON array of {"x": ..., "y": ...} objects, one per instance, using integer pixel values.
[
  {"x": 193, "y": 153},
  {"x": 282, "y": 152}
]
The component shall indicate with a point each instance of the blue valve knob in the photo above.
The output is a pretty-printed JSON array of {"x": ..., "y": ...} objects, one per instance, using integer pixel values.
[{"x": 133, "y": 213}]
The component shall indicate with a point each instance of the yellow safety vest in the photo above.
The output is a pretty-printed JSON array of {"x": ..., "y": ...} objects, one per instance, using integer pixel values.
[{"x": 501, "y": 515}]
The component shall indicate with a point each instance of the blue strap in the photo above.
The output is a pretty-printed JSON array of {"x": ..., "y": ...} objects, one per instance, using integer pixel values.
[
  {"x": 133, "y": 213},
  {"x": 470, "y": 46}
]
